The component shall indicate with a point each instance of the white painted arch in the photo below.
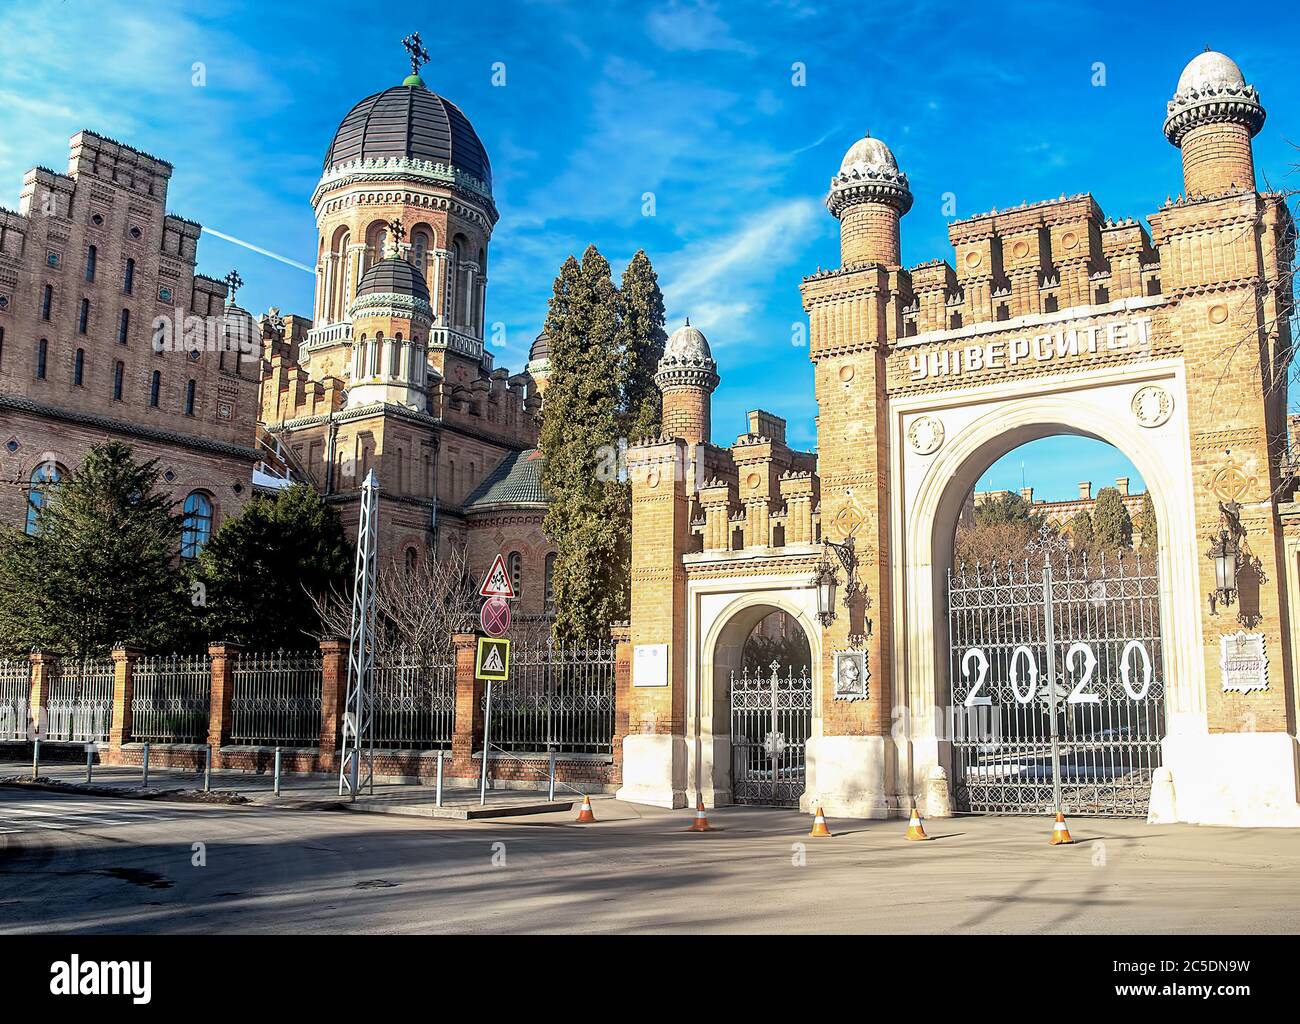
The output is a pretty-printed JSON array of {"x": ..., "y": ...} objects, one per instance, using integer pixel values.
[{"x": 981, "y": 425}]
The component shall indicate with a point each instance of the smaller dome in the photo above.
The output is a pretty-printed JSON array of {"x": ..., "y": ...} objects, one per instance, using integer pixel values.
[
  {"x": 541, "y": 349},
  {"x": 1210, "y": 68},
  {"x": 393, "y": 276},
  {"x": 868, "y": 154},
  {"x": 687, "y": 345}
]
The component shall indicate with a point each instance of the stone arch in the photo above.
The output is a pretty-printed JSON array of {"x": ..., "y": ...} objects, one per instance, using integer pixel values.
[
  {"x": 928, "y": 522},
  {"x": 720, "y": 650}
]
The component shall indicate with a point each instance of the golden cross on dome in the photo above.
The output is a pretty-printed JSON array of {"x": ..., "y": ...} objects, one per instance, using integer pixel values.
[
  {"x": 418, "y": 54},
  {"x": 233, "y": 282},
  {"x": 399, "y": 232}
]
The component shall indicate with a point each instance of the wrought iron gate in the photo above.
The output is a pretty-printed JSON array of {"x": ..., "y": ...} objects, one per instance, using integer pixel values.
[
  {"x": 1057, "y": 686},
  {"x": 771, "y": 719}
]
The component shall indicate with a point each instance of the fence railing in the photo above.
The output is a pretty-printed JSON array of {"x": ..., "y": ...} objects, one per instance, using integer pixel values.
[
  {"x": 15, "y": 686},
  {"x": 559, "y": 697},
  {"x": 276, "y": 699},
  {"x": 80, "y": 705},
  {"x": 170, "y": 699},
  {"x": 414, "y": 705}
]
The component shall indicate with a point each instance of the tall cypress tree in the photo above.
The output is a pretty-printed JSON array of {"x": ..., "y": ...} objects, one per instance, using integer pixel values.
[
  {"x": 641, "y": 346},
  {"x": 1110, "y": 521},
  {"x": 585, "y": 514}
]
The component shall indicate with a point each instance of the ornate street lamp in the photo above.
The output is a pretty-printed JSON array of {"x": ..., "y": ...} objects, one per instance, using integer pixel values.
[
  {"x": 826, "y": 583},
  {"x": 1225, "y": 552}
]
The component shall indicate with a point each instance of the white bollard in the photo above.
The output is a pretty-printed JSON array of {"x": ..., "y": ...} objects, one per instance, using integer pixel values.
[
  {"x": 938, "y": 799},
  {"x": 1163, "y": 808}
]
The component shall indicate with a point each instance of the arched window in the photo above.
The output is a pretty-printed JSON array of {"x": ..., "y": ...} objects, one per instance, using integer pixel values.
[
  {"x": 550, "y": 580},
  {"x": 43, "y": 480},
  {"x": 119, "y": 371},
  {"x": 128, "y": 279},
  {"x": 124, "y": 327},
  {"x": 83, "y": 318},
  {"x": 189, "y": 399},
  {"x": 196, "y": 527},
  {"x": 47, "y": 301},
  {"x": 395, "y": 360},
  {"x": 515, "y": 566},
  {"x": 79, "y": 367},
  {"x": 155, "y": 385},
  {"x": 92, "y": 257},
  {"x": 412, "y": 559},
  {"x": 376, "y": 353},
  {"x": 419, "y": 250},
  {"x": 42, "y": 356}
]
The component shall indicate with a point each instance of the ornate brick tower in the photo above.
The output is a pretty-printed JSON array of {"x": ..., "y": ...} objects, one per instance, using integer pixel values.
[
  {"x": 869, "y": 195},
  {"x": 390, "y": 329},
  {"x": 1212, "y": 118},
  {"x": 687, "y": 376}
]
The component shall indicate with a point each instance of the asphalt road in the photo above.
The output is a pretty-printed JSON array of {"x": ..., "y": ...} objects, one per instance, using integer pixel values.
[{"x": 72, "y": 863}]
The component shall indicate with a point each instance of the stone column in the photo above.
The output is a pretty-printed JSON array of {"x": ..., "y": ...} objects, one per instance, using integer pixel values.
[
  {"x": 124, "y": 659},
  {"x": 222, "y": 657},
  {"x": 621, "y": 636},
  {"x": 44, "y": 665},
  {"x": 333, "y": 696}
]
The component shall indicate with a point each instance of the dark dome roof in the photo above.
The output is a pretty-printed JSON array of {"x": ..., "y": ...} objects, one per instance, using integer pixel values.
[
  {"x": 410, "y": 121},
  {"x": 516, "y": 481},
  {"x": 393, "y": 276},
  {"x": 541, "y": 348}
]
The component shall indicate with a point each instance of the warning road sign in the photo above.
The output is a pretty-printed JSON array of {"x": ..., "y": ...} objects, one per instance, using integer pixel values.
[
  {"x": 494, "y": 617},
  {"x": 493, "y": 661},
  {"x": 497, "y": 582}
]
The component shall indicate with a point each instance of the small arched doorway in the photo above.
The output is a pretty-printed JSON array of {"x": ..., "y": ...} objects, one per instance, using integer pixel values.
[{"x": 769, "y": 705}]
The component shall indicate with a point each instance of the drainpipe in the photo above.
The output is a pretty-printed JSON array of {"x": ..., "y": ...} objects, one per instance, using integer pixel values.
[{"x": 330, "y": 444}]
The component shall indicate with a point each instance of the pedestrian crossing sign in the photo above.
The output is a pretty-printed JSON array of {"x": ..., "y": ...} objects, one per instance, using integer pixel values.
[{"x": 493, "y": 661}]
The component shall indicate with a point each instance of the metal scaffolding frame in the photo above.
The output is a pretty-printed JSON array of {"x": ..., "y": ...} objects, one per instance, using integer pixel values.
[{"x": 358, "y": 714}]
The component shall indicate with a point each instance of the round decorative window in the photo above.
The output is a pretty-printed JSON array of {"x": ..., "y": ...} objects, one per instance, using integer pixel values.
[
  {"x": 97, "y": 219},
  {"x": 137, "y": 234}
]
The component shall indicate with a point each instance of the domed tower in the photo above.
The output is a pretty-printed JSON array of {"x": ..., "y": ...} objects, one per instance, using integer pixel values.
[
  {"x": 539, "y": 362},
  {"x": 687, "y": 376},
  {"x": 391, "y": 318},
  {"x": 869, "y": 195},
  {"x": 1212, "y": 118},
  {"x": 409, "y": 157}
]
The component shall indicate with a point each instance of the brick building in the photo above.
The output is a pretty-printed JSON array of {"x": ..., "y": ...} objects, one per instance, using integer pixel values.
[
  {"x": 391, "y": 372},
  {"x": 1051, "y": 318},
  {"x": 1056, "y": 513},
  {"x": 107, "y": 332}
]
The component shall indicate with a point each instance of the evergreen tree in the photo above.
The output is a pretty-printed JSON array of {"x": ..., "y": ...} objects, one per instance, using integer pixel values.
[
  {"x": 1080, "y": 530},
  {"x": 1007, "y": 508},
  {"x": 1144, "y": 523},
  {"x": 262, "y": 568},
  {"x": 641, "y": 343},
  {"x": 101, "y": 570},
  {"x": 1110, "y": 521},
  {"x": 586, "y": 517}
]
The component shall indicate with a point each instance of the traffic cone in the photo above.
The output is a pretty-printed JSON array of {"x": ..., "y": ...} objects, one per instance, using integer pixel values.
[
  {"x": 1060, "y": 834},
  {"x": 914, "y": 829},
  {"x": 701, "y": 823},
  {"x": 585, "y": 814},
  {"x": 819, "y": 829}
]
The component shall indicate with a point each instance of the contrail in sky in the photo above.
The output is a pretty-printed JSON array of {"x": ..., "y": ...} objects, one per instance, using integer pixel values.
[{"x": 258, "y": 248}]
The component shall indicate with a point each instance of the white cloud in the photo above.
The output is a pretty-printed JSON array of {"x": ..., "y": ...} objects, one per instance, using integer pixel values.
[{"x": 693, "y": 27}]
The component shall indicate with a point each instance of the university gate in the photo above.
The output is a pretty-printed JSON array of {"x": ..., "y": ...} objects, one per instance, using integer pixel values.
[
  {"x": 1057, "y": 684},
  {"x": 771, "y": 720}
]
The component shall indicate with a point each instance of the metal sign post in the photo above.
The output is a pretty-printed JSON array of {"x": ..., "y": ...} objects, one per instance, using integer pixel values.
[{"x": 487, "y": 744}]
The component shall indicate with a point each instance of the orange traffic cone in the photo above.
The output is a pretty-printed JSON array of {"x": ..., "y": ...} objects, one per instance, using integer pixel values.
[
  {"x": 819, "y": 829},
  {"x": 914, "y": 829},
  {"x": 701, "y": 823},
  {"x": 1060, "y": 834},
  {"x": 585, "y": 814}
]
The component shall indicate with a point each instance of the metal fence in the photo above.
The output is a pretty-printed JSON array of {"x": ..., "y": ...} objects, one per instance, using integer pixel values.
[
  {"x": 15, "y": 685},
  {"x": 1093, "y": 628},
  {"x": 414, "y": 705},
  {"x": 80, "y": 705},
  {"x": 275, "y": 699},
  {"x": 559, "y": 697},
  {"x": 170, "y": 698}
]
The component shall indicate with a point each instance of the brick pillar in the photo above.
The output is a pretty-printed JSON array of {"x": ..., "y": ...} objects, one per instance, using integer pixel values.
[
  {"x": 124, "y": 659},
  {"x": 223, "y": 683},
  {"x": 44, "y": 664},
  {"x": 333, "y": 695},
  {"x": 469, "y": 716},
  {"x": 622, "y": 637}
]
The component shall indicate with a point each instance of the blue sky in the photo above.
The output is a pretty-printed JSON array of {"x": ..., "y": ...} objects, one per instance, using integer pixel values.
[{"x": 602, "y": 103}]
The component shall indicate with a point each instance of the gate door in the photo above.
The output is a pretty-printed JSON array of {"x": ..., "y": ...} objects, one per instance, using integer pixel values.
[
  {"x": 771, "y": 720},
  {"x": 1090, "y": 632}
]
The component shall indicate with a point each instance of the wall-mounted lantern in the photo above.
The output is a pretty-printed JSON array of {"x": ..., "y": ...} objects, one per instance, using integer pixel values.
[
  {"x": 826, "y": 579},
  {"x": 1225, "y": 552}
]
